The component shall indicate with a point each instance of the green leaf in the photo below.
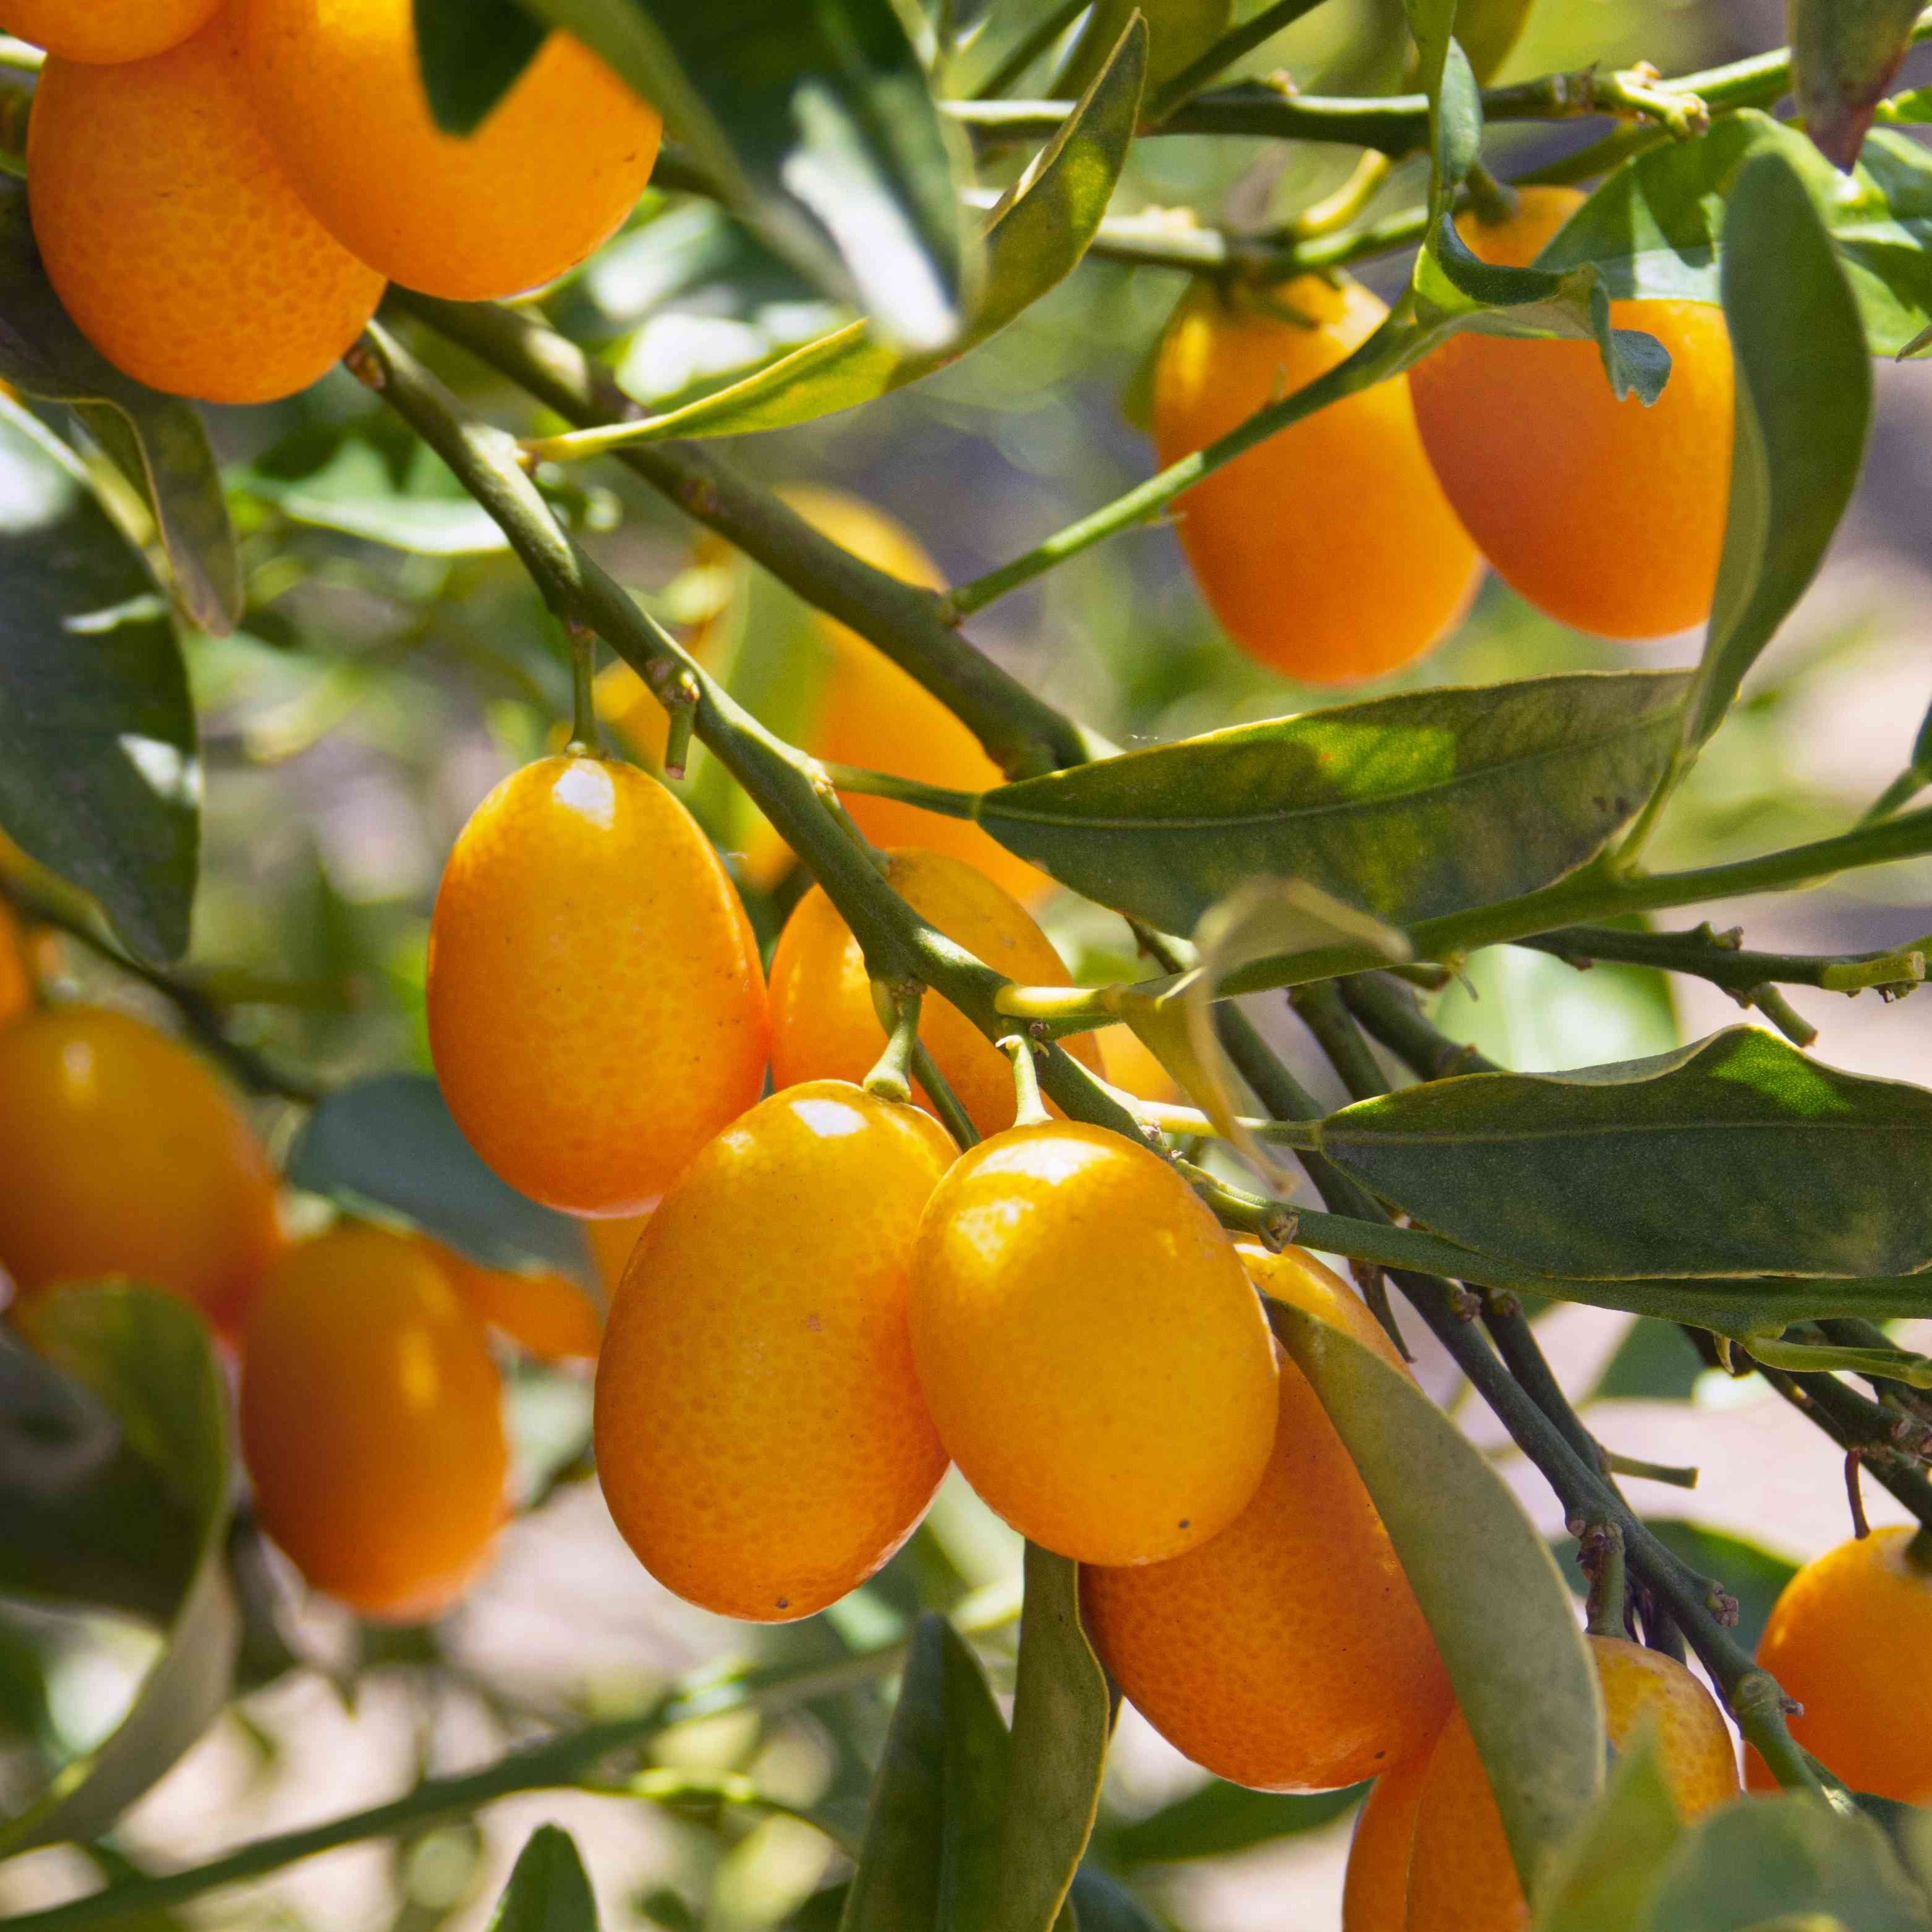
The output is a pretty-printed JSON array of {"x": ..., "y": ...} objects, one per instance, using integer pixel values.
[
  {"x": 1034, "y": 237},
  {"x": 1804, "y": 406},
  {"x": 1787, "y": 1860},
  {"x": 1842, "y": 54},
  {"x": 549, "y": 1890},
  {"x": 1653, "y": 1363},
  {"x": 1179, "y": 31},
  {"x": 1600, "y": 1879},
  {"x": 817, "y": 124},
  {"x": 1411, "y": 806},
  {"x": 1103, "y": 1904},
  {"x": 932, "y": 1833},
  {"x": 157, "y": 441},
  {"x": 1062, "y": 1716},
  {"x": 100, "y": 777},
  {"x": 389, "y": 1145},
  {"x": 1220, "y": 1818},
  {"x": 149, "y": 1359},
  {"x": 353, "y": 493},
  {"x": 1735, "y": 1155},
  {"x": 1494, "y": 1599},
  {"x": 471, "y": 53},
  {"x": 1489, "y": 31}
]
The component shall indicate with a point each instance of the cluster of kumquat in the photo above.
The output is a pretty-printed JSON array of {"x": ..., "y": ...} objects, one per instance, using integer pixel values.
[
  {"x": 1346, "y": 545},
  {"x": 219, "y": 189}
]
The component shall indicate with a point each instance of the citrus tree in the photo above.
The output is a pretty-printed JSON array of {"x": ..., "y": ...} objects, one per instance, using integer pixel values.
[{"x": 870, "y": 1066}]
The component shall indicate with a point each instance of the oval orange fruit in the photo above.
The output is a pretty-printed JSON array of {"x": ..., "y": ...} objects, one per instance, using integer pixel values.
[
  {"x": 1607, "y": 515},
  {"x": 1096, "y": 1361},
  {"x": 542, "y": 1311},
  {"x": 596, "y": 1009},
  {"x": 761, "y": 1438},
  {"x": 106, "y": 30},
  {"x": 1374, "y": 1889},
  {"x": 1328, "y": 552}
]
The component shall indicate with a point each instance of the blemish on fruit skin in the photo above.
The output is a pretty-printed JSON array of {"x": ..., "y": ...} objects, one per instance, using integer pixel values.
[{"x": 814, "y": 1324}]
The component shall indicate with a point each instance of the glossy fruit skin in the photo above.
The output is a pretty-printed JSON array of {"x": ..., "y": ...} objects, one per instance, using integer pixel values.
[
  {"x": 1095, "y": 1358},
  {"x": 122, "y": 1154},
  {"x": 179, "y": 246},
  {"x": 1374, "y": 1890},
  {"x": 869, "y": 712},
  {"x": 1287, "y": 1653},
  {"x": 1607, "y": 515},
  {"x": 549, "y": 176},
  {"x": 596, "y": 1009},
  {"x": 372, "y": 1423},
  {"x": 17, "y": 976},
  {"x": 105, "y": 31},
  {"x": 1460, "y": 1876},
  {"x": 824, "y": 1026},
  {"x": 1850, "y": 1637},
  {"x": 543, "y": 1313},
  {"x": 1328, "y": 552},
  {"x": 760, "y": 1436}
]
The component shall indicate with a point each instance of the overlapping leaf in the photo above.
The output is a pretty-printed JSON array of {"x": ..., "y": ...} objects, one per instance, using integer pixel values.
[
  {"x": 99, "y": 774},
  {"x": 1410, "y": 806},
  {"x": 1735, "y": 1156},
  {"x": 1842, "y": 54},
  {"x": 472, "y": 53}
]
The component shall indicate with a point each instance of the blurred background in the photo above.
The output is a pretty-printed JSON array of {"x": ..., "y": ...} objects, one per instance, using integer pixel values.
[{"x": 394, "y": 663}]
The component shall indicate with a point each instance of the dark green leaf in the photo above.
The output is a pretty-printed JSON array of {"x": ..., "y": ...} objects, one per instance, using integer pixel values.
[
  {"x": 471, "y": 53},
  {"x": 149, "y": 1359},
  {"x": 1653, "y": 1363},
  {"x": 1062, "y": 1716},
  {"x": 1494, "y": 1597},
  {"x": 1789, "y": 1861},
  {"x": 549, "y": 1890},
  {"x": 817, "y": 123},
  {"x": 1599, "y": 1879},
  {"x": 1220, "y": 1818},
  {"x": 1734, "y": 1155},
  {"x": 1410, "y": 806},
  {"x": 1103, "y": 1904},
  {"x": 1804, "y": 406},
  {"x": 157, "y": 441},
  {"x": 1034, "y": 237},
  {"x": 928, "y": 1863},
  {"x": 1842, "y": 54},
  {"x": 1179, "y": 32},
  {"x": 388, "y": 1144},
  {"x": 99, "y": 778}
]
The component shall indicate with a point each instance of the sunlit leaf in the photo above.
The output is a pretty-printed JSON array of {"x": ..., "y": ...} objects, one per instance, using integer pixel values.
[
  {"x": 1736, "y": 1155},
  {"x": 99, "y": 771},
  {"x": 148, "y": 1358},
  {"x": 1494, "y": 1598}
]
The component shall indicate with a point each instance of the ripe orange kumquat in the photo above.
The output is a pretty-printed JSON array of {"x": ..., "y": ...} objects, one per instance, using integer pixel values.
[
  {"x": 544, "y": 1311},
  {"x": 105, "y": 31},
  {"x": 761, "y": 1438},
  {"x": 596, "y": 1008},
  {"x": 1288, "y": 1652},
  {"x": 122, "y": 1154},
  {"x": 1850, "y": 1638},
  {"x": 1375, "y": 1892},
  {"x": 1461, "y": 1877},
  {"x": 1608, "y": 515},
  {"x": 1329, "y": 551},
  {"x": 1095, "y": 1358},
  {"x": 371, "y": 1423},
  {"x": 550, "y": 174},
  {"x": 173, "y": 235},
  {"x": 825, "y": 1027}
]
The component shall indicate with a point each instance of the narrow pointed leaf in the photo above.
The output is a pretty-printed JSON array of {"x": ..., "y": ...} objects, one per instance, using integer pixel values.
[
  {"x": 549, "y": 1890},
  {"x": 158, "y": 442},
  {"x": 1804, "y": 407},
  {"x": 1062, "y": 1716},
  {"x": 1034, "y": 239},
  {"x": 817, "y": 123},
  {"x": 472, "y": 52},
  {"x": 148, "y": 1358},
  {"x": 1219, "y": 1818},
  {"x": 388, "y": 1144},
  {"x": 1496, "y": 1603},
  {"x": 1410, "y": 806},
  {"x": 1736, "y": 1155},
  {"x": 1844, "y": 53},
  {"x": 99, "y": 774}
]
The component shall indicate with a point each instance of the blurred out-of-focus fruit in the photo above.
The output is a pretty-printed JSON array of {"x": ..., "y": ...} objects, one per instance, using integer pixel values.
[
  {"x": 544, "y": 1311},
  {"x": 1096, "y": 1359},
  {"x": 105, "y": 31},
  {"x": 1374, "y": 1890},
  {"x": 596, "y": 1008},
  {"x": 761, "y": 1438}
]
